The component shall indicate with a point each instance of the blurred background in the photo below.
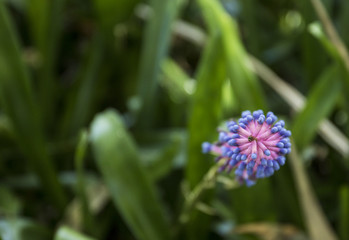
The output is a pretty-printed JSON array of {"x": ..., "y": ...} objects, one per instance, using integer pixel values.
[{"x": 104, "y": 105}]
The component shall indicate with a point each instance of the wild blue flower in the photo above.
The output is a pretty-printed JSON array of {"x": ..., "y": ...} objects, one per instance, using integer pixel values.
[{"x": 254, "y": 146}]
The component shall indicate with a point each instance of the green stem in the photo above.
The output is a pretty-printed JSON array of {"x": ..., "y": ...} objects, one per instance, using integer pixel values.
[
  {"x": 80, "y": 154},
  {"x": 208, "y": 180}
]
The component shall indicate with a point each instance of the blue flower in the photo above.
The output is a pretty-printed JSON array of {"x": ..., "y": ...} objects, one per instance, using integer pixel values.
[{"x": 254, "y": 146}]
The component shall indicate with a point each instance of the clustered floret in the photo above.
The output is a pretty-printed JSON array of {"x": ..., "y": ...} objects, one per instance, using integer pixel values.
[{"x": 254, "y": 146}]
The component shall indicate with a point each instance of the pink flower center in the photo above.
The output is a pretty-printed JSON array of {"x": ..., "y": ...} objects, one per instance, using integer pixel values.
[{"x": 257, "y": 142}]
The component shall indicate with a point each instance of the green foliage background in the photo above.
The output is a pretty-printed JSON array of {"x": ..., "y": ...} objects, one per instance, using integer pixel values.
[{"x": 104, "y": 105}]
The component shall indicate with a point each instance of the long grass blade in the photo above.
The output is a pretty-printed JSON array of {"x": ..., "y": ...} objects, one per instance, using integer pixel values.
[
  {"x": 343, "y": 22},
  {"x": 45, "y": 18},
  {"x": 319, "y": 104},
  {"x": 205, "y": 115},
  {"x": 19, "y": 105},
  {"x": 315, "y": 220},
  {"x": 245, "y": 85},
  {"x": 313, "y": 57},
  {"x": 249, "y": 10},
  {"x": 155, "y": 46},
  {"x": 315, "y": 29},
  {"x": 329, "y": 132},
  {"x": 130, "y": 187},
  {"x": 331, "y": 32},
  {"x": 333, "y": 50}
]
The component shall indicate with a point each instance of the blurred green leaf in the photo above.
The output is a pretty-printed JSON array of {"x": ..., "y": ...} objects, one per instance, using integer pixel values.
[
  {"x": 316, "y": 30},
  {"x": 154, "y": 49},
  {"x": 98, "y": 199},
  {"x": 206, "y": 110},
  {"x": 245, "y": 84},
  {"x": 65, "y": 233},
  {"x": 162, "y": 151},
  {"x": 10, "y": 205},
  {"x": 319, "y": 105},
  {"x": 337, "y": 54},
  {"x": 133, "y": 193},
  {"x": 206, "y": 113},
  {"x": 19, "y": 104},
  {"x": 163, "y": 160},
  {"x": 179, "y": 85},
  {"x": 229, "y": 103},
  {"x": 22, "y": 229}
]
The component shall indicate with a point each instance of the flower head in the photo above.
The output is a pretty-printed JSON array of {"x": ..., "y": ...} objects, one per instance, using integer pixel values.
[{"x": 254, "y": 146}]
